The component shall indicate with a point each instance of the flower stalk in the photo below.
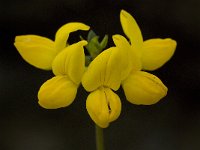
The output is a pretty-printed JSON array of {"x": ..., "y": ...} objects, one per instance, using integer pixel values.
[{"x": 99, "y": 138}]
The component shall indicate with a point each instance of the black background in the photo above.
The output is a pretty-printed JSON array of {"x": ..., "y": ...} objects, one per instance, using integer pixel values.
[{"x": 171, "y": 124}]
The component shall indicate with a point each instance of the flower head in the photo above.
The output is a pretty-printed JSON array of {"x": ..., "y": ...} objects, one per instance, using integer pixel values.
[{"x": 115, "y": 66}]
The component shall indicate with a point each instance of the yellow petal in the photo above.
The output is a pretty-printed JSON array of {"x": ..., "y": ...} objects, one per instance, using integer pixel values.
[
  {"x": 144, "y": 88},
  {"x": 132, "y": 60},
  {"x": 34, "y": 40},
  {"x": 131, "y": 29},
  {"x": 63, "y": 33},
  {"x": 156, "y": 52},
  {"x": 103, "y": 106},
  {"x": 115, "y": 69},
  {"x": 114, "y": 104},
  {"x": 94, "y": 75},
  {"x": 36, "y": 50},
  {"x": 71, "y": 62},
  {"x": 104, "y": 70},
  {"x": 57, "y": 92}
]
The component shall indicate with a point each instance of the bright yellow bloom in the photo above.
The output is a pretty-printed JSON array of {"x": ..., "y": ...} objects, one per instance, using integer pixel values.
[
  {"x": 103, "y": 75},
  {"x": 153, "y": 53},
  {"x": 40, "y": 51},
  {"x": 68, "y": 67},
  {"x": 115, "y": 66},
  {"x": 141, "y": 87},
  {"x": 66, "y": 61}
]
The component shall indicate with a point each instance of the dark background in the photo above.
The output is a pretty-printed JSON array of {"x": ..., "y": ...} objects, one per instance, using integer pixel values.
[{"x": 171, "y": 124}]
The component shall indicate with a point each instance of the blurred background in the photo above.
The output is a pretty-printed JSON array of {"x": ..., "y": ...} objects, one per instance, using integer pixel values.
[{"x": 171, "y": 124}]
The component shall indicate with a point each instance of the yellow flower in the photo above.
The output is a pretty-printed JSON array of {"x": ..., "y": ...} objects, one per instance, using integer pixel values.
[
  {"x": 66, "y": 61},
  {"x": 68, "y": 67},
  {"x": 40, "y": 51},
  {"x": 153, "y": 53},
  {"x": 103, "y": 75},
  {"x": 141, "y": 87}
]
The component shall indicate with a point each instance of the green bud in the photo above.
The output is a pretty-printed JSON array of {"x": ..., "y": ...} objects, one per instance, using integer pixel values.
[
  {"x": 91, "y": 34},
  {"x": 94, "y": 47}
]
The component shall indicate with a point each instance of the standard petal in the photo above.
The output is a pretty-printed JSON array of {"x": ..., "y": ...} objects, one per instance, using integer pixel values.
[
  {"x": 103, "y": 106},
  {"x": 57, "y": 92},
  {"x": 104, "y": 70},
  {"x": 63, "y": 33},
  {"x": 115, "y": 70},
  {"x": 71, "y": 62},
  {"x": 131, "y": 29},
  {"x": 156, "y": 52},
  {"x": 131, "y": 57},
  {"x": 144, "y": 88},
  {"x": 94, "y": 76},
  {"x": 36, "y": 50}
]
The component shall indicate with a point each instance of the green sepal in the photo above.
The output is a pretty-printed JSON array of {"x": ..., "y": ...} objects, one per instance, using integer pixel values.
[
  {"x": 104, "y": 42},
  {"x": 94, "y": 47},
  {"x": 88, "y": 60},
  {"x": 91, "y": 34}
]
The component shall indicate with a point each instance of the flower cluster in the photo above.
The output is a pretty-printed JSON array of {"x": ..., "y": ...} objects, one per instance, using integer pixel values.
[{"x": 120, "y": 65}]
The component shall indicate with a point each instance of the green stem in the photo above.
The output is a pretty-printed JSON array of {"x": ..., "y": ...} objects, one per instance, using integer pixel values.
[{"x": 99, "y": 138}]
